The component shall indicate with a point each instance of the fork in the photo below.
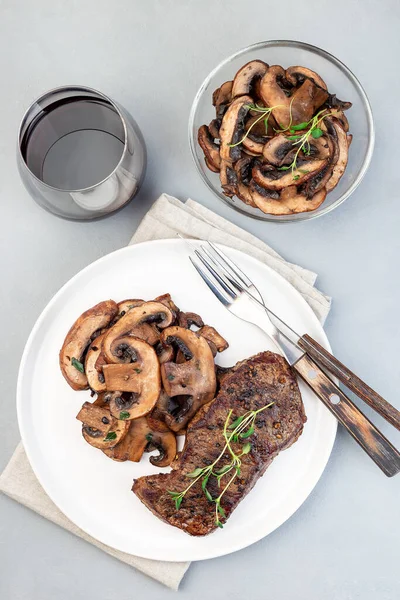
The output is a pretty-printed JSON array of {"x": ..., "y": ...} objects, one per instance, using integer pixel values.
[{"x": 241, "y": 297}]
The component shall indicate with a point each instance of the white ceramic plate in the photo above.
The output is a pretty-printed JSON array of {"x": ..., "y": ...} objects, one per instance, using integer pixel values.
[{"x": 95, "y": 492}]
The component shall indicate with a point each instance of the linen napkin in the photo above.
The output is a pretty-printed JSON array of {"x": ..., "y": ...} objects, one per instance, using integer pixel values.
[{"x": 167, "y": 217}]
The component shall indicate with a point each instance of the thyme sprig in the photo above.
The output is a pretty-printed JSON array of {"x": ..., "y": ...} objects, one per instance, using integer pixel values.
[
  {"x": 265, "y": 115},
  {"x": 302, "y": 140},
  {"x": 239, "y": 430}
]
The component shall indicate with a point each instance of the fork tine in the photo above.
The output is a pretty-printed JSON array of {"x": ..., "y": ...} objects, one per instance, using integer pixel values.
[
  {"x": 221, "y": 279},
  {"x": 211, "y": 284},
  {"x": 232, "y": 265},
  {"x": 221, "y": 269}
]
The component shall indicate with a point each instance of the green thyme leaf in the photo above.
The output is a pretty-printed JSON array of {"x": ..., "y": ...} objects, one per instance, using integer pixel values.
[
  {"x": 221, "y": 510},
  {"x": 124, "y": 415},
  {"x": 246, "y": 448},
  {"x": 174, "y": 494},
  {"x": 236, "y": 422},
  {"x": 178, "y": 502},
  {"x": 204, "y": 482},
  {"x": 296, "y": 177},
  {"x": 300, "y": 126},
  {"x": 77, "y": 364},
  {"x": 208, "y": 495},
  {"x": 247, "y": 433},
  {"x": 111, "y": 435},
  {"x": 316, "y": 133},
  {"x": 284, "y": 168},
  {"x": 218, "y": 523},
  {"x": 170, "y": 377},
  {"x": 195, "y": 473},
  {"x": 223, "y": 470},
  {"x": 137, "y": 370},
  {"x": 235, "y": 438},
  {"x": 149, "y": 437},
  {"x": 294, "y": 138},
  {"x": 303, "y": 171}
]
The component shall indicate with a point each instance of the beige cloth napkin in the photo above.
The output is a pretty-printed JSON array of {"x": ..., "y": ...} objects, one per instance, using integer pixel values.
[{"x": 167, "y": 217}]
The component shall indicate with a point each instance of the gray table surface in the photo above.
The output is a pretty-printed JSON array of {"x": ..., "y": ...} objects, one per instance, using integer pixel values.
[{"x": 343, "y": 543}]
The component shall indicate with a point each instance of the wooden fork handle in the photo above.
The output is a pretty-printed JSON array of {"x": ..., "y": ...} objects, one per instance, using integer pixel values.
[
  {"x": 375, "y": 444},
  {"x": 350, "y": 380}
]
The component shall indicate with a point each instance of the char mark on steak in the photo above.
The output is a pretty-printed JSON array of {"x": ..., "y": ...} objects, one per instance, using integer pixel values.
[{"x": 252, "y": 384}]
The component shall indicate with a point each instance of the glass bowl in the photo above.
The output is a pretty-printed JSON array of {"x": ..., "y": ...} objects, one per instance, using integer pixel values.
[{"x": 339, "y": 79}]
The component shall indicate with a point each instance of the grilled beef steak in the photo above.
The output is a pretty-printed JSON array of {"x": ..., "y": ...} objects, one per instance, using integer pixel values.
[{"x": 252, "y": 384}]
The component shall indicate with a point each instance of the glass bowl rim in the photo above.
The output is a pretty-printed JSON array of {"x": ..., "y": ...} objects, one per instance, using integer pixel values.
[{"x": 299, "y": 217}]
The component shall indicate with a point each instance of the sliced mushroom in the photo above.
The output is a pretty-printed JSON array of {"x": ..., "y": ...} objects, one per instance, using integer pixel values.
[
  {"x": 213, "y": 128},
  {"x": 222, "y": 98},
  {"x": 274, "y": 179},
  {"x": 141, "y": 379},
  {"x": 136, "y": 323},
  {"x": 298, "y": 203},
  {"x": 133, "y": 444},
  {"x": 93, "y": 370},
  {"x": 341, "y": 162},
  {"x": 232, "y": 128},
  {"x": 194, "y": 378},
  {"x": 246, "y": 76},
  {"x": 243, "y": 171},
  {"x": 290, "y": 109},
  {"x": 297, "y": 75},
  {"x": 164, "y": 354},
  {"x": 267, "y": 200},
  {"x": 126, "y": 305},
  {"x": 212, "y": 335},
  {"x": 254, "y": 144},
  {"x": 228, "y": 178},
  {"x": 277, "y": 150},
  {"x": 162, "y": 407},
  {"x": 99, "y": 428},
  {"x": 210, "y": 149},
  {"x": 162, "y": 439},
  {"x": 306, "y": 100},
  {"x": 334, "y": 102},
  {"x": 273, "y": 94},
  {"x": 187, "y": 319},
  {"x": 168, "y": 302},
  {"x": 78, "y": 339}
]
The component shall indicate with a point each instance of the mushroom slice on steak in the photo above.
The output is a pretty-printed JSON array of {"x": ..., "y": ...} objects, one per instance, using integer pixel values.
[
  {"x": 140, "y": 379},
  {"x": 78, "y": 339},
  {"x": 136, "y": 323},
  {"x": 228, "y": 178},
  {"x": 222, "y": 98},
  {"x": 194, "y": 379},
  {"x": 210, "y": 149},
  {"x": 243, "y": 171},
  {"x": 297, "y": 75},
  {"x": 232, "y": 128},
  {"x": 215, "y": 340},
  {"x": 274, "y": 179},
  {"x": 99, "y": 428},
  {"x": 246, "y": 76},
  {"x": 93, "y": 370}
]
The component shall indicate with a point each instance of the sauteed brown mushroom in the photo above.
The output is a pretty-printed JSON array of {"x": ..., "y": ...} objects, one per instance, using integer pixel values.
[
  {"x": 279, "y": 140},
  {"x": 120, "y": 351}
]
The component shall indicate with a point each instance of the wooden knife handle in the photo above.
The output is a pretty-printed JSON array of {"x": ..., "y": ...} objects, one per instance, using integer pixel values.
[
  {"x": 375, "y": 444},
  {"x": 350, "y": 380}
]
